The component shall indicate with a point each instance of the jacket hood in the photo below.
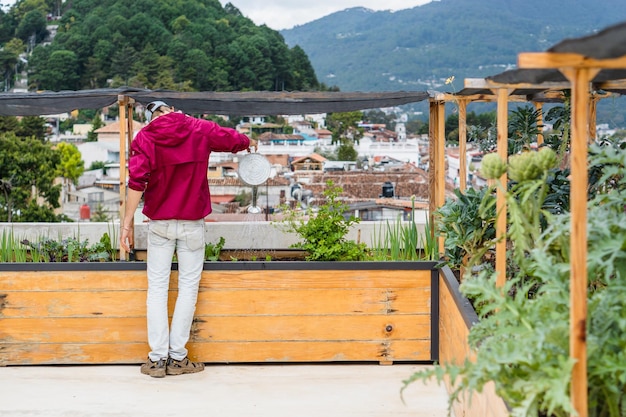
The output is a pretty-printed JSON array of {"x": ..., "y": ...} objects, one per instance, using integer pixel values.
[{"x": 169, "y": 130}]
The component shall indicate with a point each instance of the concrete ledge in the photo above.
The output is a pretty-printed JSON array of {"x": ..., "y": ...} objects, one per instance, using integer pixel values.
[{"x": 238, "y": 235}]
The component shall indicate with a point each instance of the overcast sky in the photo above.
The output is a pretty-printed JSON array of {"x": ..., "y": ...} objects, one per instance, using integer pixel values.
[{"x": 285, "y": 14}]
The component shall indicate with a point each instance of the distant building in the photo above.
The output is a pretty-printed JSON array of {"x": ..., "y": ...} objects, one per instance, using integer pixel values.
[{"x": 312, "y": 162}]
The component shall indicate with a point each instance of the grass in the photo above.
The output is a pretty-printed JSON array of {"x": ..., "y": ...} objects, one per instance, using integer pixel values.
[{"x": 402, "y": 241}]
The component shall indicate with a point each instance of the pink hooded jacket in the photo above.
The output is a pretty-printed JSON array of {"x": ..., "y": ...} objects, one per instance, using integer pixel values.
[{"x": 168, "y": 162}]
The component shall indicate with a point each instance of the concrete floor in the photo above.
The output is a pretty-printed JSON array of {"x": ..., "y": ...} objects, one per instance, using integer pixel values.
[{"x": 318, "y": 390}]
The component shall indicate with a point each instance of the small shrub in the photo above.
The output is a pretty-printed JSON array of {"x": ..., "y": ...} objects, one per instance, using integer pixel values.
[
  {"x": 324, "y": 233},
  {"x": 212, "y": 250}
]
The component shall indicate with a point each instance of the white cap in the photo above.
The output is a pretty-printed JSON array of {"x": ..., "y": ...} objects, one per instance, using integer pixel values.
[{"x": 152, "y": 107}]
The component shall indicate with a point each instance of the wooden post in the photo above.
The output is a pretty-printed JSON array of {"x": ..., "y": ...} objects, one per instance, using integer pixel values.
[
  {"x": 436, "y": 168},
  {"x": 440, "y": 173},
  {"x": 432, "y": 160},
  {"x": 580, "y": 79},
  {"x": 502, "y": 144},
  {"x": 580, "y": 70},
  {"x": 123, "y": 106},
  {"x": 463, "y": 144},
  {"x": 593, "y": 114},
  {"x": 539, "y": 107}
]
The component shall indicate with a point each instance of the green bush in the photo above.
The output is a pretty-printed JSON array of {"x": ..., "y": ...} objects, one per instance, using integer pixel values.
[
  {"x": 323, "y": 231},
  {"x": 522, "y": 338}
]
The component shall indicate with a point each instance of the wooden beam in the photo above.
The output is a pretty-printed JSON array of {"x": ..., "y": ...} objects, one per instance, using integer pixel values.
[
  {"x": 490, "y": 84},
  {"x": 610, "y": 85},
  {"x": 549, "y": 95},
  {"x": 555, "y": 60}
]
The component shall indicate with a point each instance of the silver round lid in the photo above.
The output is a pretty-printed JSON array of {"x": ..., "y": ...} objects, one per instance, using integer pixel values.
[{"x": 254, "y": 169}]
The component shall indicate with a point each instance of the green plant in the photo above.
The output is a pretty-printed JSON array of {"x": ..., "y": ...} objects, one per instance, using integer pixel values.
[
  {"x": 324, "y": 233},
  {"x": 401, "y": 241},
  {"x": 522, "y": 339},
  {"x": 66, "y": 250},
  {"x": 100, "y": 214},
  {"x": 11, "y": 250},
  {"x": 523, "y": 128},
  {"x": 468, "y": 226},
  {"x": 212, "y": 250}
]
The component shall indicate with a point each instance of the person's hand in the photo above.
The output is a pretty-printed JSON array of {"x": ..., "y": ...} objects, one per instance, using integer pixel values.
[
  {"x": 127, "y": 238},
  {"x": 253, "y": 144}
]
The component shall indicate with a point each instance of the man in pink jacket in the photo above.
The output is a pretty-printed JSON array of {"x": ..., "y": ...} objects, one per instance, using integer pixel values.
[{"x": 168, "y": 163}]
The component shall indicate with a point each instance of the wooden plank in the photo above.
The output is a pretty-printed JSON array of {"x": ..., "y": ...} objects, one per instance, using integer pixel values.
[
  {"x": 311, "y": 328},
  {"x": 132, "y": 303},
  {"x": 72, "y": 280},
  {"x": 559, "y": 60},
  {"x": 314, "y": 351},
  {"x": 454, "y": 349},
  {"x": 314, "y": 302},
  {"x": 218, "y": 328},
  {"x": 73, "y": 330},
  {"x": 55, "y": 304},
  {"x": 73, "y": 353},
  {"x": 316, "y": 279},
  {"x": 252, "y": 279},
  {"x": 135, "y": 353},
  {"x": 478, "y": 83}
]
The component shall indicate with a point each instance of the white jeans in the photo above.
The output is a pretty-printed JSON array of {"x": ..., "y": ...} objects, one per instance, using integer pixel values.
[{"x": 186, "y": 237}]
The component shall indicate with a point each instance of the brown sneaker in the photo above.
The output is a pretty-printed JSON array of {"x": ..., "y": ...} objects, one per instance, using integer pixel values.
[
  {"x": 184, "y": 366},
  {"x": 154, "y": 369}
]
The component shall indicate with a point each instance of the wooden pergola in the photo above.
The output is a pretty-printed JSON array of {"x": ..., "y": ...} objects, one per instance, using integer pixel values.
[{"x": 592, "y": 68}]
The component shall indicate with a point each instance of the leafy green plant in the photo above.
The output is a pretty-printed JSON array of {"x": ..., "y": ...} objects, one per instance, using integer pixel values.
[
  {"x": 522, "y": 339},
  {"x": 66, "y": 250},
  {"x": 467, "y": 223},
  {"x": 324, "y": 232},
  {"x": 212, "y": 250},
  {"x": 523, "y": 128}
]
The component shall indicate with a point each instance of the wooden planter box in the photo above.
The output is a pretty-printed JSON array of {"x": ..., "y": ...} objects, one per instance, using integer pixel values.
[
  {"x": 94, "y": 313},
  {"x": 456, "y": 317}
]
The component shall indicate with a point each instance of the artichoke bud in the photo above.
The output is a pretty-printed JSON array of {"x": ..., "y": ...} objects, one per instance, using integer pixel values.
[
  {"x": 524, "y": 167},
  {"x": 492, "y": 166},
  {"x": 546, "y": 158}
]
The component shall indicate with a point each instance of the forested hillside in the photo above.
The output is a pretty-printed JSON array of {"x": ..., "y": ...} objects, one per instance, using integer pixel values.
[
  {"x": 191, "y": 45},
  {"x": 417, "y": 49}
]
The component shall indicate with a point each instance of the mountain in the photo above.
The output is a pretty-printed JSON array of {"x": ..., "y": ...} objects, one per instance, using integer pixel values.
[
  {"x": 190, "y": 45},
  {"x": 359, "y": 49}
]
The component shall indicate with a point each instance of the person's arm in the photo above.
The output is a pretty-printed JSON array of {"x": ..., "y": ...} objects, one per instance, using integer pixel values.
[{"x": 127, "y": 238}]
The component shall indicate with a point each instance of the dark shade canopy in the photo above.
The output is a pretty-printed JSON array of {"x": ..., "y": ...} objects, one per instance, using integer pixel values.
[
  {"x": 227, "y": 103},
  {"x": 606, "y": 44},
  {"x": 536, "y": 84}
]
